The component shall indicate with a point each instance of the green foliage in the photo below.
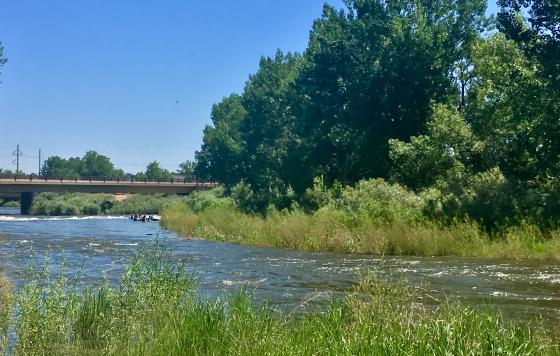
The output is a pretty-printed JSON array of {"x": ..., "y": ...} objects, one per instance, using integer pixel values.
[
  {"x": 413, "y": 92},
  {"x": 144, "y": 204},
  {"x": 155, "y": 173},
  {"x": 381, "y": 218},
  {"x": 9, "y": 203},
  {"x": 92, "y": 164},
  {"x": 187, "y": 170},
  {"x": 72, "y": 204},
  {"x": 198, "y": 201},
  {"x": 448, "y": 147},
  {"x": 370, "y": 73},
  {"x": 6, "y": 173},
  {"x": 158, "y": 311},
  {"x": 81, "y": 204},
  {"x": 535, "y": 26},
  {"x": 381, "y": 202}
]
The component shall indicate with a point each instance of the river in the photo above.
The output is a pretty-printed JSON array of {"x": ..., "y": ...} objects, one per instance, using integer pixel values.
[{"x": 98, "y": 249}]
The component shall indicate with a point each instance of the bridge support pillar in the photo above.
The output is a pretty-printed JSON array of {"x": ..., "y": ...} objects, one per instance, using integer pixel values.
[{"x": 26, "y": 201}]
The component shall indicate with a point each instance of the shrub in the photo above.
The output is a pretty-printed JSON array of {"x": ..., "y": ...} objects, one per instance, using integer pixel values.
[{"x": 381, "y": 202}]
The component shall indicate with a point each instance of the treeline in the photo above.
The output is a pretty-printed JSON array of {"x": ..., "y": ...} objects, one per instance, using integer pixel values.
[
  {"x": 433, "y": 95},
  {"x": 93, "y": 164}
]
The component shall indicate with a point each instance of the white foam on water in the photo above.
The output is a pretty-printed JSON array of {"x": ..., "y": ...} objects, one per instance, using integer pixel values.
[
  {"x": 228, "y": 282},
  {"x": 131, "y": 244},
  {"x": 504, "y": 294}
]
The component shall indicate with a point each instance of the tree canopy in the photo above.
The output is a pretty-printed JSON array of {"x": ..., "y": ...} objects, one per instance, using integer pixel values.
[
  {"x": 416, "y": 92},
  {"x": 155, "y": 173},
  {"x": 92, "y": 164}
]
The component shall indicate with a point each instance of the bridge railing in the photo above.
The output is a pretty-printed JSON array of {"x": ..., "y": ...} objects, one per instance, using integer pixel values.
[{"x": 128, "y": 179}]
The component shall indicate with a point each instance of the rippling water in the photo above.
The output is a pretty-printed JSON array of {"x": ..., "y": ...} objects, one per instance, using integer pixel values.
[{"x": 98, "y": 248}]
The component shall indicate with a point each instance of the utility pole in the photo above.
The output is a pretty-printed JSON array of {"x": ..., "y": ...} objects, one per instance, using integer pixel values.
[
  {"x": 39, "y": 173},
  {"x": 17, "y": 153}
]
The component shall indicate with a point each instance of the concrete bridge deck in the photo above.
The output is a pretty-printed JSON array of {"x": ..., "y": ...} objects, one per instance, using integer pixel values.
[{"x": 27, "y": 187}]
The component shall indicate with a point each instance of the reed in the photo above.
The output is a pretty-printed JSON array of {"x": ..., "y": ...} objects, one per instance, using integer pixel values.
[
  {"x": 331, "y": 229},
  {"x": 6, "y": 301}
]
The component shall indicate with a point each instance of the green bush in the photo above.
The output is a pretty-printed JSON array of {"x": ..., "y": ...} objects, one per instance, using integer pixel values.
[
  {"x": 381, "y": 202},
  {"x": 144, "y": 204},
  {"x": 71, "y": 204},
  {"x": 95, "y": 204},
  {"x": 200, "y": 200}
]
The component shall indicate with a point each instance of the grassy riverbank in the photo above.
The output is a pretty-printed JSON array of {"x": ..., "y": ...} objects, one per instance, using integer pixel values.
[
  {"x": 363, "y": 220},
  {"x": 99, "y": 204},
  {"x": 158, "y": 311}
]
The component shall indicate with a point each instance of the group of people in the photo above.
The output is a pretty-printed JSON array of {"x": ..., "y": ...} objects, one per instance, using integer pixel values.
[{"x": 144, "y": 218}]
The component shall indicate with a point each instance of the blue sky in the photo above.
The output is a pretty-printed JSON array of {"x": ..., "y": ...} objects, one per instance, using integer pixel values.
[{"x": 134, "y": 80}]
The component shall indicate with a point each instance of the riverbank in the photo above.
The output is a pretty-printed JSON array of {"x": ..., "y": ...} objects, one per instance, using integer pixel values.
[
  {"x": 331, "y": 229},
  {"x": 82, "y": 204},
  {"x": 157, "y": 310}
]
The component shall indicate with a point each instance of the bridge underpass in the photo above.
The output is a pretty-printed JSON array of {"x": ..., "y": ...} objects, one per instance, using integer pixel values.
[{"x": 27, "y": 188}]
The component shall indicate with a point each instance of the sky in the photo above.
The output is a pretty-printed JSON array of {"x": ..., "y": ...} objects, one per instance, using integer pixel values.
[{"x": 133, "y": 80}]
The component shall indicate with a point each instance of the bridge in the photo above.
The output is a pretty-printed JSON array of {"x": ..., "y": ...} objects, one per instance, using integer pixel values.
[{"x": 28, "y": 186}]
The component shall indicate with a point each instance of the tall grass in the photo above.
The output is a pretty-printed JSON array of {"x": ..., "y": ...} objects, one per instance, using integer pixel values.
[
  {"x": 6, "y": 301},
  {"x": 332, "y": 229},
  {"x": 157, "y": 311}
]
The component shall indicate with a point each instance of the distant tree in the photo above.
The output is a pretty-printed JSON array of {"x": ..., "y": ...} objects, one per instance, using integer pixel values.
[
  {"x": 92, "y": 164},
  {"x": 155, "y": 172},
  {"x": 96, "y": 165},
  {"x": 6, "y": 173},
  {"x": 187, "y": 169},
  {"x": 138, "y": 176},
  {"x": 56, "y": 166}
]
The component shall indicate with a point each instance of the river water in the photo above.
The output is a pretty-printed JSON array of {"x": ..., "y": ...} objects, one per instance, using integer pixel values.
[{"x": 99, "y": 248}]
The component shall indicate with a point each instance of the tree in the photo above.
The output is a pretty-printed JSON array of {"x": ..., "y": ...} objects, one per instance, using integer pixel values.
[
  {"x": 6, "y": 173},
  {"x": 268, "y": 128},
  {"x": 92, "y": 164},
  {"x": 155, "y": 172},
  {"x": 220, "y": 155},
  {"x": 510, "y": 111},
  {"x": 372, "y": 73},
  {"x": 448, "y": 148},
  {"x": 96, "y": 165},
  {"x": 187, "y": 169},
  {"x": 56, "y": 166},
  {"x": 538, "y": 35}
]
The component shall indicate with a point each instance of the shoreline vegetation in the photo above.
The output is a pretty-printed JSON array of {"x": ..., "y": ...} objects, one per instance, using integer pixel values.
[
  {"x": 158, "y": 310},
  {"x": 81, "y": 204},
  {"x": 372, "y": 218}
]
